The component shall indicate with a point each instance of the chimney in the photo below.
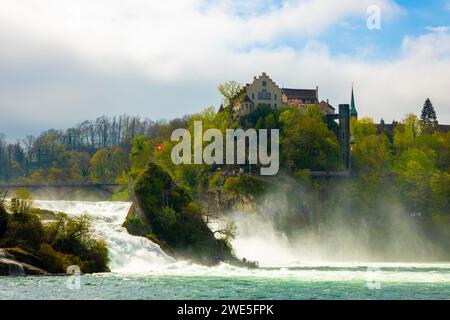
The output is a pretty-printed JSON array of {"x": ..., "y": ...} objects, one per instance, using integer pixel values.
[{"x": 317, "y": 93}]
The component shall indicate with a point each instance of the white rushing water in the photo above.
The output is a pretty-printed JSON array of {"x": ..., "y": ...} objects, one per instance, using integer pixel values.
[
  {"x": 141, "y": 270},
  {"x": 137, "y": 255},
  {"x": 128, "y": 253}
]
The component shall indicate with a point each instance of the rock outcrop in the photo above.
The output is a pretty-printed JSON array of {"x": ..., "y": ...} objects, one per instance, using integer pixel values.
[
  {"x": 9, "y": 266},
  {"x": 165, "y": 213}
]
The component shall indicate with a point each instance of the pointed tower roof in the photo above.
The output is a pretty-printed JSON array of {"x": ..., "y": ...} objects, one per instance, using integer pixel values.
[{"x": 353, "y": 112}]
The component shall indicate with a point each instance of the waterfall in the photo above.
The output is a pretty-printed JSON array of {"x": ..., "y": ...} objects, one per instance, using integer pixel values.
[{"x": 128, "y": 253}]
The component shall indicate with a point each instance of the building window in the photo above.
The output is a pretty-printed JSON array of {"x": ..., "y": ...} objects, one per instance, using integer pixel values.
[
  {"x": 264, "y": 95},
  {"x": 276, "y": 97},
  {"x": 264, "y": 83},
  {"x": 253, "y": 96},
  {"x": 275, "y": 105}
]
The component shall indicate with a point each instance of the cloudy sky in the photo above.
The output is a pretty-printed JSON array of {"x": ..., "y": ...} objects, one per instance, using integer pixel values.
[{"x": 64, "y": 61}]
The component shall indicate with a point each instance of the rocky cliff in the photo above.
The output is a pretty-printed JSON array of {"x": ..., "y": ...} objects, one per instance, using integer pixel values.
[{"x": 165, "y": 213}]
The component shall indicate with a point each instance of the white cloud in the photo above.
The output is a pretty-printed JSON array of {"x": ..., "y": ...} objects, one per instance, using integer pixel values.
[
  {"x": 437, "y": 29},
  {"x": 167, "y": 38},
  {"x": 165, "y": 58},
  {"x": 433, "y": 45}
]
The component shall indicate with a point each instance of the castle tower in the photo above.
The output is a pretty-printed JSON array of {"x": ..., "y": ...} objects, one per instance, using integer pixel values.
[
  {"x": 344, "y": 135},
  {"x": 353, "y": 112}
]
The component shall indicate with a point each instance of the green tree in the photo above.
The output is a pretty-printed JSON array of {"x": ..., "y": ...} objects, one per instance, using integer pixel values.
[
  {"x": 79, "y": 166},
  {"x": 306, "y": 141},
  {"x": 229, "y": 90},
  {"x": 440, "y": 186},
  {"x": 407, "y": 133},
  {"x": 57, "y": 175},
  {"x": 415, "y": 169},
  {"x": 371, "y": 153},
  {"x": 108, "y": 164},
  {"x": 437, "y": 145},
  {"x": 428, "y": 116},
  {"x": 24, "y": 229},
  {"x": 245, "y": 189},
  {"x": 270, "y": 122},
  {"x": 256, "y": 118}
]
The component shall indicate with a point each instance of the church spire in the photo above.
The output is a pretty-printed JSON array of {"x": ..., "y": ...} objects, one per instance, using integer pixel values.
[{"x": 353, "y": 112}]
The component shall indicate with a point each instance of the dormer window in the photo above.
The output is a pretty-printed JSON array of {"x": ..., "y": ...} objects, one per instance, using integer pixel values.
[{"x": 264, "y": 83}]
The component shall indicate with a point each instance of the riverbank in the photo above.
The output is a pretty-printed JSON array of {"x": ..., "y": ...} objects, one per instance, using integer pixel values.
[{"x": 12, "y": 264}]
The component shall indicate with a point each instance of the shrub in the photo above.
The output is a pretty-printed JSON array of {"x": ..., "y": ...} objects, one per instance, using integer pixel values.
[
  {"x": 22, "y": 202},
  {"x": 4, "y": 217},
  {"x": 95, "y": 257},
  {"x": 24, "y": 229},
  {"x": 71, "y": 234},
  {"x": 56, "y": 246},
  {"x": 136, "y": 226},
  {"x": 167, "y": 218},
  {"x": 74, "y": 237},
  {"x": 52, "y": 260},
  {"x": 245, "y": 188}
]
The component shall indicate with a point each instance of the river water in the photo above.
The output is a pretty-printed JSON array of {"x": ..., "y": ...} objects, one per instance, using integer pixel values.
[{"x": 141, "y": 270}]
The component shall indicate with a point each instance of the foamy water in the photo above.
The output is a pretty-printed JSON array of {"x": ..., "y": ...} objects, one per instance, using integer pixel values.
[
  {"x": 128, "y": 254},
  {"x": 138, "y": 255},
  {"x": 141, "y": 270}
]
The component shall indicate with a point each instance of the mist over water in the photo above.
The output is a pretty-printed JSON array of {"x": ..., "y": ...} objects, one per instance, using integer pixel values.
[
  {"x": 259, "y": 237},
  {"x": 141, "y": 270},
  {"x": 274, "y": 235}
]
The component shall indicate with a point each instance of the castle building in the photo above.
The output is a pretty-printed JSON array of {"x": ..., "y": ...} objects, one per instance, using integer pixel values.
[
  {"x": 264, "y": 91},
  {"x": 299, "y": 97}
]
